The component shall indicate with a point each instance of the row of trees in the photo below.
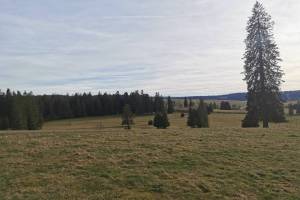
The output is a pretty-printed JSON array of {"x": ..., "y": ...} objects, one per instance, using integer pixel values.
[
  {"x": 82, "y": 105},
  {"x": 26, "y": 111}
]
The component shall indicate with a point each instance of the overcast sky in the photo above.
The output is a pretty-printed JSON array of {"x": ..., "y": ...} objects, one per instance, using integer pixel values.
[{"x": 175, "y": 47}]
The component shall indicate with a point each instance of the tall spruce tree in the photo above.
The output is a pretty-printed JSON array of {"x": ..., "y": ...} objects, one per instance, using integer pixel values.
[{"x": 262, "y": 71}]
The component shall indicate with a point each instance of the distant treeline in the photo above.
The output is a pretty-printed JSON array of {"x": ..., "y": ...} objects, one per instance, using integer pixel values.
[
  {"x": 21, "y": 111},
  {"x": 285, "y": 96}
]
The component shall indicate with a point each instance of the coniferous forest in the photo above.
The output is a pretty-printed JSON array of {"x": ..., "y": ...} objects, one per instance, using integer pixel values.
[{"x": 21, "y": 111}]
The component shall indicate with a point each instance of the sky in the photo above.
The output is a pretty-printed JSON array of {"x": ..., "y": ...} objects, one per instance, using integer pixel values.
[{"x": 175, "y": 47}]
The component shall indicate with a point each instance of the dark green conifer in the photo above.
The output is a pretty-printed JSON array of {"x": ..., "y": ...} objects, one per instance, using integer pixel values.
[
  {"x": 161, "y": 120},
  {"x": 127, "y": 116},
  {"x": 202, "y": 121},
  {"x": 170, "y": 105},
  {"x": 262, "y": 71},
  {"x": 198, "y": 118},
  {"x": 192, "y": 118}
]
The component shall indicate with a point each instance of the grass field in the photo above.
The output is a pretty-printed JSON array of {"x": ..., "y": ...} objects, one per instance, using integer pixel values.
[{"x": 94, "y": 158}]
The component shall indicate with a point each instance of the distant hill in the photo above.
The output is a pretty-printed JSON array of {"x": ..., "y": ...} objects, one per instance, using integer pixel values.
[{"x": 286, "y": 96}]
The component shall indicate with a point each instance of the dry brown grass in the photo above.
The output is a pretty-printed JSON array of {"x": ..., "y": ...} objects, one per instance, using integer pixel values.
[{"x": 86, "y": 159}]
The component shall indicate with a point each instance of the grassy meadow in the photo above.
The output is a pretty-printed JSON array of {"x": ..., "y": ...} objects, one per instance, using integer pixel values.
[{"x": 94, "y": 158}]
